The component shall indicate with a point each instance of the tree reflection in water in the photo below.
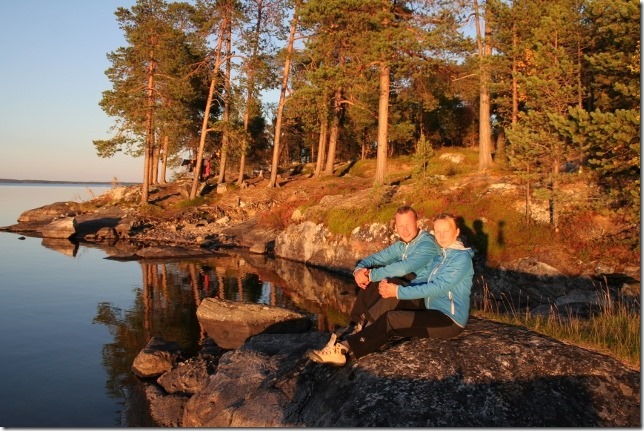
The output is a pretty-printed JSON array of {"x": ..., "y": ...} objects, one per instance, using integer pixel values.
[{"x": 165, "y": 306}]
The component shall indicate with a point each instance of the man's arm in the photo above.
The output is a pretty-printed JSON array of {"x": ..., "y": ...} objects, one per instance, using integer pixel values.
[
  {"x": 422, "y": 254},
  {"x": 383, "y": 257}
]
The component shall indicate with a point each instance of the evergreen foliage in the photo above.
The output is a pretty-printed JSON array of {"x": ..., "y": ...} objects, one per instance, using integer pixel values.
[{"x": 564, "y": 86}]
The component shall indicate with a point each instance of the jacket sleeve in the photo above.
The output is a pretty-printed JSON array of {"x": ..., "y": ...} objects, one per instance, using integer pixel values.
[
  {"x": 422, "y": 254},
  {"x": 445, "y": 279},
  {"x": 384, "y": 257}
]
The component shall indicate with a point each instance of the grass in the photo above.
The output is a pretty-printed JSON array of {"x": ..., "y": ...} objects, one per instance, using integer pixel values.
[
  {"x": 189, "y": 203},
  {"x": 613, "y": 330},
  {"x": 342, "y": 221}
]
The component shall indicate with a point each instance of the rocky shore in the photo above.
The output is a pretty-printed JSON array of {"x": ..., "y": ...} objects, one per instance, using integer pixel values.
[{"x": 491, "y": 375}]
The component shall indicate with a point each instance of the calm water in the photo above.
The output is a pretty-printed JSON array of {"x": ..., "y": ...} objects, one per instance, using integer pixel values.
[{"x": 72, "y": 321}]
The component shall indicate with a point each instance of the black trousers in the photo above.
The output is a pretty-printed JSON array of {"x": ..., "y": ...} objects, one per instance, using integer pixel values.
[
  {"x": 386, "y": 317},
  {"x": 369, "y": 297}
]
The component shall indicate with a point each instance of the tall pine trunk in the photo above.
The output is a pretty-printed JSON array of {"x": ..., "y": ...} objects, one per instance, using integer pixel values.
[
  {"x": 324, "y": 131},
  {"x": 149, "y": 132},
  {"x": 250, "y": 73},
  {"x": 206, "y": 115},
  {"x": 334, "y": 133},
  {"x": 155, "y": 164},
  {"x": 383, "y": 115},
  {"x": 225, "y": 138},
  {"x": 164, "y": 160},
  {"x": 282, "y": 101},
  {"x": 484, "y": 44}
]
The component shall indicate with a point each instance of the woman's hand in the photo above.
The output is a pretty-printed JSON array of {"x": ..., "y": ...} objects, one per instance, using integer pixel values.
[{"x": 387, "y": 289}]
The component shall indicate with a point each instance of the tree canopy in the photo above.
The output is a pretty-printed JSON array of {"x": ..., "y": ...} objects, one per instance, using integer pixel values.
[{"x": 538, "y": 86}]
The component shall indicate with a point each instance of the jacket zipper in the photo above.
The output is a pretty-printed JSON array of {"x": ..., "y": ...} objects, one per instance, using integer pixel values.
[{"x": 449, "y": 293}]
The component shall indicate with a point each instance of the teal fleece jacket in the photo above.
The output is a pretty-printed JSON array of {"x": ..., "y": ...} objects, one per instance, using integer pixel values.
[
  {"x": 449, "y": 283},
  {"x": 402, "y": 258}
]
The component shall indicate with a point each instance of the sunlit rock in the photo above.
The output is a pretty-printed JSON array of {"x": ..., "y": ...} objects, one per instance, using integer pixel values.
[
  {"x": 491, "y": 375},
  {"x": 230, "y": 324},
  {"x": 63, "y": 228},
  {"x": 156, "y": 358},
  {"x": 49, "y": 212}
]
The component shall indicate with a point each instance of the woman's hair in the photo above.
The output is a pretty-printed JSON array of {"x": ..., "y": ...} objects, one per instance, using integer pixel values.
[{"x": 446, "y": 216}]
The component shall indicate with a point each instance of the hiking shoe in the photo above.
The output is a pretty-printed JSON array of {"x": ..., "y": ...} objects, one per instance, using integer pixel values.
[
  {"x": 332, "y": 353},
  {"x": 350, "y": 330}
]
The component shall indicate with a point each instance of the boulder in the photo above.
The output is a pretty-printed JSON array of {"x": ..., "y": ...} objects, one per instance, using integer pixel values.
[
  {"x": 231, "y": 323},
  {"x": 63, "y": 228},
  {"x": 158, "y": 357},
  {"x": 187, "y": 377},
  {"x": 233, "y": 397},
  {"x": 95, "y": 222},
  {"x": 491, "y": 375},
  {"x": 49, "y": 212},
  {"x": 314, "y": 244},
  {"x": 452, "y": 157},
  {"x": 261, "y": 247},
  {"x": 124, "y": 226},
  {"x": 166, "y": 410},
  {"x": 247, "y": 234}
]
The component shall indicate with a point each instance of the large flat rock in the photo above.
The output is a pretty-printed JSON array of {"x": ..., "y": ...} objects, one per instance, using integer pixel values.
[{"x": 231, "y": 323}]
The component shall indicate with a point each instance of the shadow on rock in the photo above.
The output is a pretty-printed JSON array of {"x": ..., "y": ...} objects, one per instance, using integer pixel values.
[{"x": 490, "y": 375}]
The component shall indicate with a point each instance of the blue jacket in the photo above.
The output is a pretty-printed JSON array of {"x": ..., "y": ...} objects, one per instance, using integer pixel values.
[
  {"x": 401, "y": 258},
  {"x": 448, "y": 286}
]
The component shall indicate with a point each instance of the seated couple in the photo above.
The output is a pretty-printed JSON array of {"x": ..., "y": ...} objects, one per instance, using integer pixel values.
[{"x": 417, "y": 287}]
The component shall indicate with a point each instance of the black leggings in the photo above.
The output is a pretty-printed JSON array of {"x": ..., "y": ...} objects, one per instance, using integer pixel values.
[
  {"x": 369, "y": 296},
  {"x": 405, "y": 318}
]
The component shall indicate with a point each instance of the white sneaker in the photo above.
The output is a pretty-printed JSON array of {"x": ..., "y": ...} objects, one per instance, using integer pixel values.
[{"x": 332, "y": 353}]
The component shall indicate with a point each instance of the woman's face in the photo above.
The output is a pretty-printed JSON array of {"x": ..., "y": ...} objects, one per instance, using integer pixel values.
[{"x": 445, "y": 232}]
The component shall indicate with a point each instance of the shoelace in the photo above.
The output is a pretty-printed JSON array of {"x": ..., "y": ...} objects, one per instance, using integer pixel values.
[{"x": 330, "y": 346}]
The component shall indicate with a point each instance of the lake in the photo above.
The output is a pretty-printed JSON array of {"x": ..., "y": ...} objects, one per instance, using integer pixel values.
[{"x": 73, "y": 321}]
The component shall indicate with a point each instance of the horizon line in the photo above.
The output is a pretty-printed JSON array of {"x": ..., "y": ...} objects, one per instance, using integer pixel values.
[{"x": 14, "y": 180}]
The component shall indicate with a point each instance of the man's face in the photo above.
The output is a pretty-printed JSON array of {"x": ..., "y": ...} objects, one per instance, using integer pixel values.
[
  {"x": 406, "y": 226},
  {"x": 445, "y": 232}
]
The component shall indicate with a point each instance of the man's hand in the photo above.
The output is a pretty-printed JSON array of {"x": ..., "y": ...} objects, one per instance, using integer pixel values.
[
  {"x": 361, "y": 277},
  {"x": 387, "y": 289}
]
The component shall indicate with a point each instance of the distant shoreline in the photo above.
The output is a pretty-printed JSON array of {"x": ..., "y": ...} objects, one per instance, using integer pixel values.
[{"x": 108, "y": 183}]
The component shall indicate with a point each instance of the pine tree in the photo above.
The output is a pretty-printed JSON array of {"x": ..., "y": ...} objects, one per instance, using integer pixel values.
[
  {"x": 151, "y": 86},
  {"x": 550, "y": 80},
  {"x": 607, "y": 127}
]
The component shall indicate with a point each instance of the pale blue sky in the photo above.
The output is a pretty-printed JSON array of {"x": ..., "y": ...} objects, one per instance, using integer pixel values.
[{"x": 52, "y": 77}]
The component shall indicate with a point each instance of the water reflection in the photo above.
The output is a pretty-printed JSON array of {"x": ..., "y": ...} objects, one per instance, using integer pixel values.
[
  {"x": 64, "y": 246},
  {"x": 171, "y": 291}
]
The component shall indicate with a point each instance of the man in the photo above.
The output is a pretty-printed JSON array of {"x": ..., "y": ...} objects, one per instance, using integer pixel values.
[
  {"x": 402, "y": 261},
  {"x": 435, "y": 306}
]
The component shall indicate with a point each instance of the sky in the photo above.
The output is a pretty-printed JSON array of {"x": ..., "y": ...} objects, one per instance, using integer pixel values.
[{"x": 51, "y": 81}]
